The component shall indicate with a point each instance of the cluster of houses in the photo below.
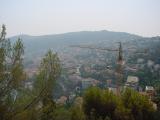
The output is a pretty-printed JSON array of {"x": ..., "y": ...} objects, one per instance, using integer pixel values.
[{"x": 131, "y": 82}]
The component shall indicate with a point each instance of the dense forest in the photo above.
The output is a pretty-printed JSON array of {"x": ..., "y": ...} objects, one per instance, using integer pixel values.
[{"x": 18, "y": 102}]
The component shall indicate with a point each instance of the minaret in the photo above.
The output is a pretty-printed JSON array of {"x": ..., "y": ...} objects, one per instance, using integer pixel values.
[
  {"x": 120, "y": 55},
  {"x": 119, "y": 68}
]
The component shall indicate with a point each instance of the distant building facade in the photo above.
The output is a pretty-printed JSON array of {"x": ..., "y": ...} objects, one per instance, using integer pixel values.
[
  {"x": 132, "y": 82},
  {"x": 88, "y": 82}
]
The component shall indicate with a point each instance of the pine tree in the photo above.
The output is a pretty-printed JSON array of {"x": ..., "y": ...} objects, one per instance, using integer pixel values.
[{"x": 11, "y": 73}]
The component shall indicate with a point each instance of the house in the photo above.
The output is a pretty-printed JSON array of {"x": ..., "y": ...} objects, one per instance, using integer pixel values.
[
  {"x": 109, "y": 82},
  {"x": 113, "y": 89},
  {"x": 62, "y": 100},
  {"x": 150, "y": 91},
  {"x": 88, "y": 82},
  {"x": 132, "y": 82}
]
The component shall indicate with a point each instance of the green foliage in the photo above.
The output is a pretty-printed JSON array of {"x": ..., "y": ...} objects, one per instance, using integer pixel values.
[
  {"x": 77, "y": 112},
  {"x": 139, "y": 105},
  {"x": 62, "y": 113},
  {"x": 40, "y": 98},
  {"x": 17, "y": 102},
  {"x": 157, "y": 97},
  {"x": 49, "y": 71},
  {"x": 48, "y": 110},
  {"x": 99, "y": 103},
  {"x": 130, "y": 106},
  {"x": 11, "y": 73}
]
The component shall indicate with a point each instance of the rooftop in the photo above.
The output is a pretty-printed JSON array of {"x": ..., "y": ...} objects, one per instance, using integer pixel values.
[
  {"x": 132, "y": 79},
  {"x": 149, "y": 88}
]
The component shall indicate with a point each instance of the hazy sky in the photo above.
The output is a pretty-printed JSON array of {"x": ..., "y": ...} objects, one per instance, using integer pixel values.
[{"x": 39, "y": 17}]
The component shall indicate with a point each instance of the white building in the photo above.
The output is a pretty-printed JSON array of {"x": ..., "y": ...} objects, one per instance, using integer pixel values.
[{"x": 132, "y": 82}]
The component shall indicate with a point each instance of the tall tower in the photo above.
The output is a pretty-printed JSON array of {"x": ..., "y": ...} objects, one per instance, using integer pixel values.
[
  {"x": 120, "y": 55},
  {"x": 119, "y": 69}
]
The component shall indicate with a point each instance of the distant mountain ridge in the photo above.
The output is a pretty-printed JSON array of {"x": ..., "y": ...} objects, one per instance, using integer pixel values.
[
  {"x": 102, "y": 32},
  {"x": 39, "y": 44},
  {"x": 78, "y": 37}
]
